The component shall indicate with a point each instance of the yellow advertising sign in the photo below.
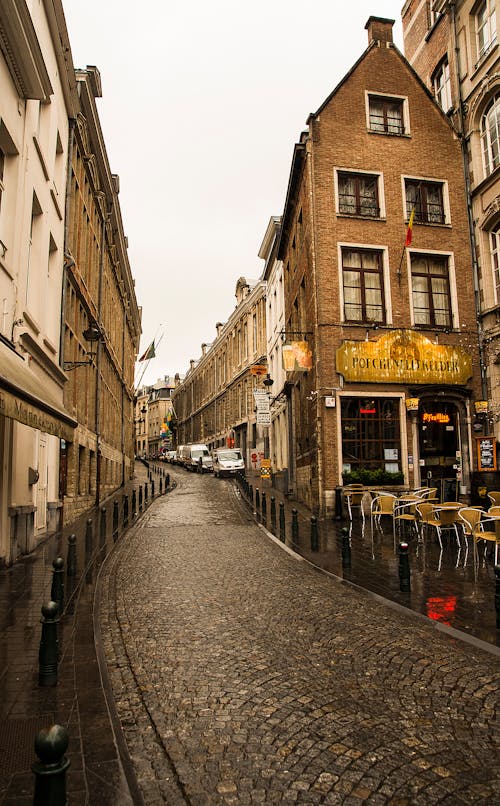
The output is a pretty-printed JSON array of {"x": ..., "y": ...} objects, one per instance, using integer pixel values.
[
  {"x": 297, "y": 356},
  {"x": 403, "y": 356}
]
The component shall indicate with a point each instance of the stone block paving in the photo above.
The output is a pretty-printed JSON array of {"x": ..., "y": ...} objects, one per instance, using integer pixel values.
[{"x": 241, "y": 674}]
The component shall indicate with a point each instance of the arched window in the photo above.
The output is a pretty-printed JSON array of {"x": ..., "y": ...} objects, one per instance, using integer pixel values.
[{"x": 490, "y": 135}]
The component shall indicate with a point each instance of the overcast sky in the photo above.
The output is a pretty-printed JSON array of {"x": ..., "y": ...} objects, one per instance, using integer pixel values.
[{"x": 202, "y": 104}]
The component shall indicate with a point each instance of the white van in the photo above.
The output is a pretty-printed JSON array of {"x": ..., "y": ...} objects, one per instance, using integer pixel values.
[
  {"x": 197, "y": 457},
  {"x": 228, "y": 462}
]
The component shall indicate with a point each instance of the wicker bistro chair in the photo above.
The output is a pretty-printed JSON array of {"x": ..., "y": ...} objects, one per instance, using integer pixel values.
[
  {"x": 382, "y": 506},
  {"x": 354, "y": 494},
  {"x": 405, "y": 514},
  {"x": 440, "y": 518},
  {"x": 494, "y": 496},
  {"x": 481, "y": 526}
]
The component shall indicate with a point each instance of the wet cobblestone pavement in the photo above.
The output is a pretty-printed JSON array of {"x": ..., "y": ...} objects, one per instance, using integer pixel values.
[{"x": 243, "y": 675}]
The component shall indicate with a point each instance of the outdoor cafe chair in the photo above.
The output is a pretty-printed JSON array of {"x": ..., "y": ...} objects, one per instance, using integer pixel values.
[
  {"x": 483, "y": 527},
  {"x": 382, "y": 506},
  {"x": 494, "y": 497},
  {"x": 405, "y": 513},
  {"x": 442, "y": 517},
  {"x": 354, "y": 495}
]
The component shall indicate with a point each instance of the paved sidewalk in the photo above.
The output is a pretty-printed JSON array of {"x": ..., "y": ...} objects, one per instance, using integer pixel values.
[
  {"x": 96, "y": 774},
  {"x": 243, "y": 675}
]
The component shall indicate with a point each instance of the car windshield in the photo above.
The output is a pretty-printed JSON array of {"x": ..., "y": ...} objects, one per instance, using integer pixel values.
[
  {"x": 198, "y": 453},
  {"x": 225, "y": 455}
]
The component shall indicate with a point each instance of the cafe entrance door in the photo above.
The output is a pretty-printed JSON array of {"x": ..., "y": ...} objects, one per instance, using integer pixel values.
[{"x": 439, "y": 447}]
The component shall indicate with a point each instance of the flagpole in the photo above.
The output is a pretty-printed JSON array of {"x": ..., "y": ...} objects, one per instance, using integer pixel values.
[{"x": 137, "y": 385}]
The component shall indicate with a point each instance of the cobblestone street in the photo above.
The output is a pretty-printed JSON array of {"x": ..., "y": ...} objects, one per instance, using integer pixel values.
[{"x": 241, "y": 674}]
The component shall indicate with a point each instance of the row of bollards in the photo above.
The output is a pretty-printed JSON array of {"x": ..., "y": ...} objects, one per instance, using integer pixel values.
[{"x": 51, "y": 744}]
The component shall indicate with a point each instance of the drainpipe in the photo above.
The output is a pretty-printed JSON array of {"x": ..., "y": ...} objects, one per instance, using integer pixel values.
[
  {"x": 71, "y": 135},
  {"x": 319, "y": 412},
  {"x": 98, "y": 368}
]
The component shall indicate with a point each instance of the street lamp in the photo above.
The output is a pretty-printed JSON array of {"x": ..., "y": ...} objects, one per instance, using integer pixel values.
[{"x": 92, "y": 334}]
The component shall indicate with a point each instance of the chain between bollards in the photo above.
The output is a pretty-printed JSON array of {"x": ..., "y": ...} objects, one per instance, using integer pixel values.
[{"x": 404, "y": 568}]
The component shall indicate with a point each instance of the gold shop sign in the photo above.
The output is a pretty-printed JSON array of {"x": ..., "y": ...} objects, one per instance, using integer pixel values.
[{"x": 403, "y": 356}]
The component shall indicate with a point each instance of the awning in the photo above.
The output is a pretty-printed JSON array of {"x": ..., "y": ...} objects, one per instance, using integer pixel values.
[{"x": 23, "y": 399}]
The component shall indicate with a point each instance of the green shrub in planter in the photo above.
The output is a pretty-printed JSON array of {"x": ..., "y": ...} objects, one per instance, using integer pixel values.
[{"x": 371, "y": 478}]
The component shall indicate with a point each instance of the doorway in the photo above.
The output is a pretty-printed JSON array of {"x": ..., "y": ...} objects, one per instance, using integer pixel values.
[{"x": 440, "y": 447}]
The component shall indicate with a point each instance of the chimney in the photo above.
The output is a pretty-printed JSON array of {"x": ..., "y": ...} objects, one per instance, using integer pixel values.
[{"x": 379, "y": 29}]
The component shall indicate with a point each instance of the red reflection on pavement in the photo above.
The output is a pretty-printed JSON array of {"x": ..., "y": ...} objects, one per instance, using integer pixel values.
[{"x": 439, "y": 608}]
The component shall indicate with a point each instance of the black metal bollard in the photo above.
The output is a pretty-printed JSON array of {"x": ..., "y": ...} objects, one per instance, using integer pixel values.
[
  {"x": 89, "y": 540},
  {"x": 140, "y": 497},
  {"x": 167, "y": 481},
  {"x": 50, "y": 771},
  {"x": 161, "y": 486},
  {"x": 57, "y": 587},
  {"x": 404, "y": 568},
  {"x": 257, "y": 503},
  {"x": 264, "y": 507},
  {"x": 497, "y": 594},
  {"x": 102, "y": 527},
  {"x": 295, "y": 526},
  {"x": 273, "y": 514},
  {"x": 314, "y": 534},
  {"x": 125, "y": 511},
  {"x": 146, "y": 493},
  {"x": 339, "y": 509},
  {"x": 49, "y": 646},
  {"x": 134, "y": 503},
  {"x": 346, "y": 549},
  {"x": 152, "y": 488},
  {"x": 71, "y": 558},
  {"x": 282, "y": 522},
  {"x": 250, "y": 494},
  {"x": 115, "y": 521}
]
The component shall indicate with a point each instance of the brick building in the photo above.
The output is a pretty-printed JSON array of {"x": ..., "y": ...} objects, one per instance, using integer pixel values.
[
  {"x": 453, "y": 46},
  {"x": 214, "y": 404},
  {"x": 392, "y": 328},
  {"x": 101, "y": 318}
]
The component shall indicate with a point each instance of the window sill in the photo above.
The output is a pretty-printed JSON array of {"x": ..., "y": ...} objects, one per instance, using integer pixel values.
[
  {"x": 362, "y": 217},
  {"x": 433, "y": 224},
  {"x": 482, "y": 59},
  {"x": 404, "y": 135}
]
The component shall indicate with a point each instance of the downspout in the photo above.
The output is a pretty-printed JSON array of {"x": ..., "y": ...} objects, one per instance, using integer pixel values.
[
  {"x": 470, "y": 217},
  {"x": 319, "y": 422},
  {"x": 98, "y": 368},
  {"x": 66, "y": 252}
]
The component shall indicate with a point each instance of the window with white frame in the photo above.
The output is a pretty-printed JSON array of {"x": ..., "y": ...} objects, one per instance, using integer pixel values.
[
  {"x": 486, "y": 26},
  {"x": 431, "y": 297},
  {"x": 386, "y": 114},
  {"x": 490, "y": 135},
  {"x": 426, "y": 198},
  {"x": 363, "y": 285},
  {"x": 495, "y": 258},
  {"x": 442, "y": 85},
  {"x": 358, "y": 194}
]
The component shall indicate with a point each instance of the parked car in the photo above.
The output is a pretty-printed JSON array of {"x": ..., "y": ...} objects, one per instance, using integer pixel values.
[{"x": 227, "y": 462}]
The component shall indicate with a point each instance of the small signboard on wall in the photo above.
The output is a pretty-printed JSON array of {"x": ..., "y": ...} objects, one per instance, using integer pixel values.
[{"x": 486, "y": 453}]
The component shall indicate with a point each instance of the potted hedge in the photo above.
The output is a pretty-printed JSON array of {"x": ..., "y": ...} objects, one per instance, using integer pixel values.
[{"x": 373, "y": 478}]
